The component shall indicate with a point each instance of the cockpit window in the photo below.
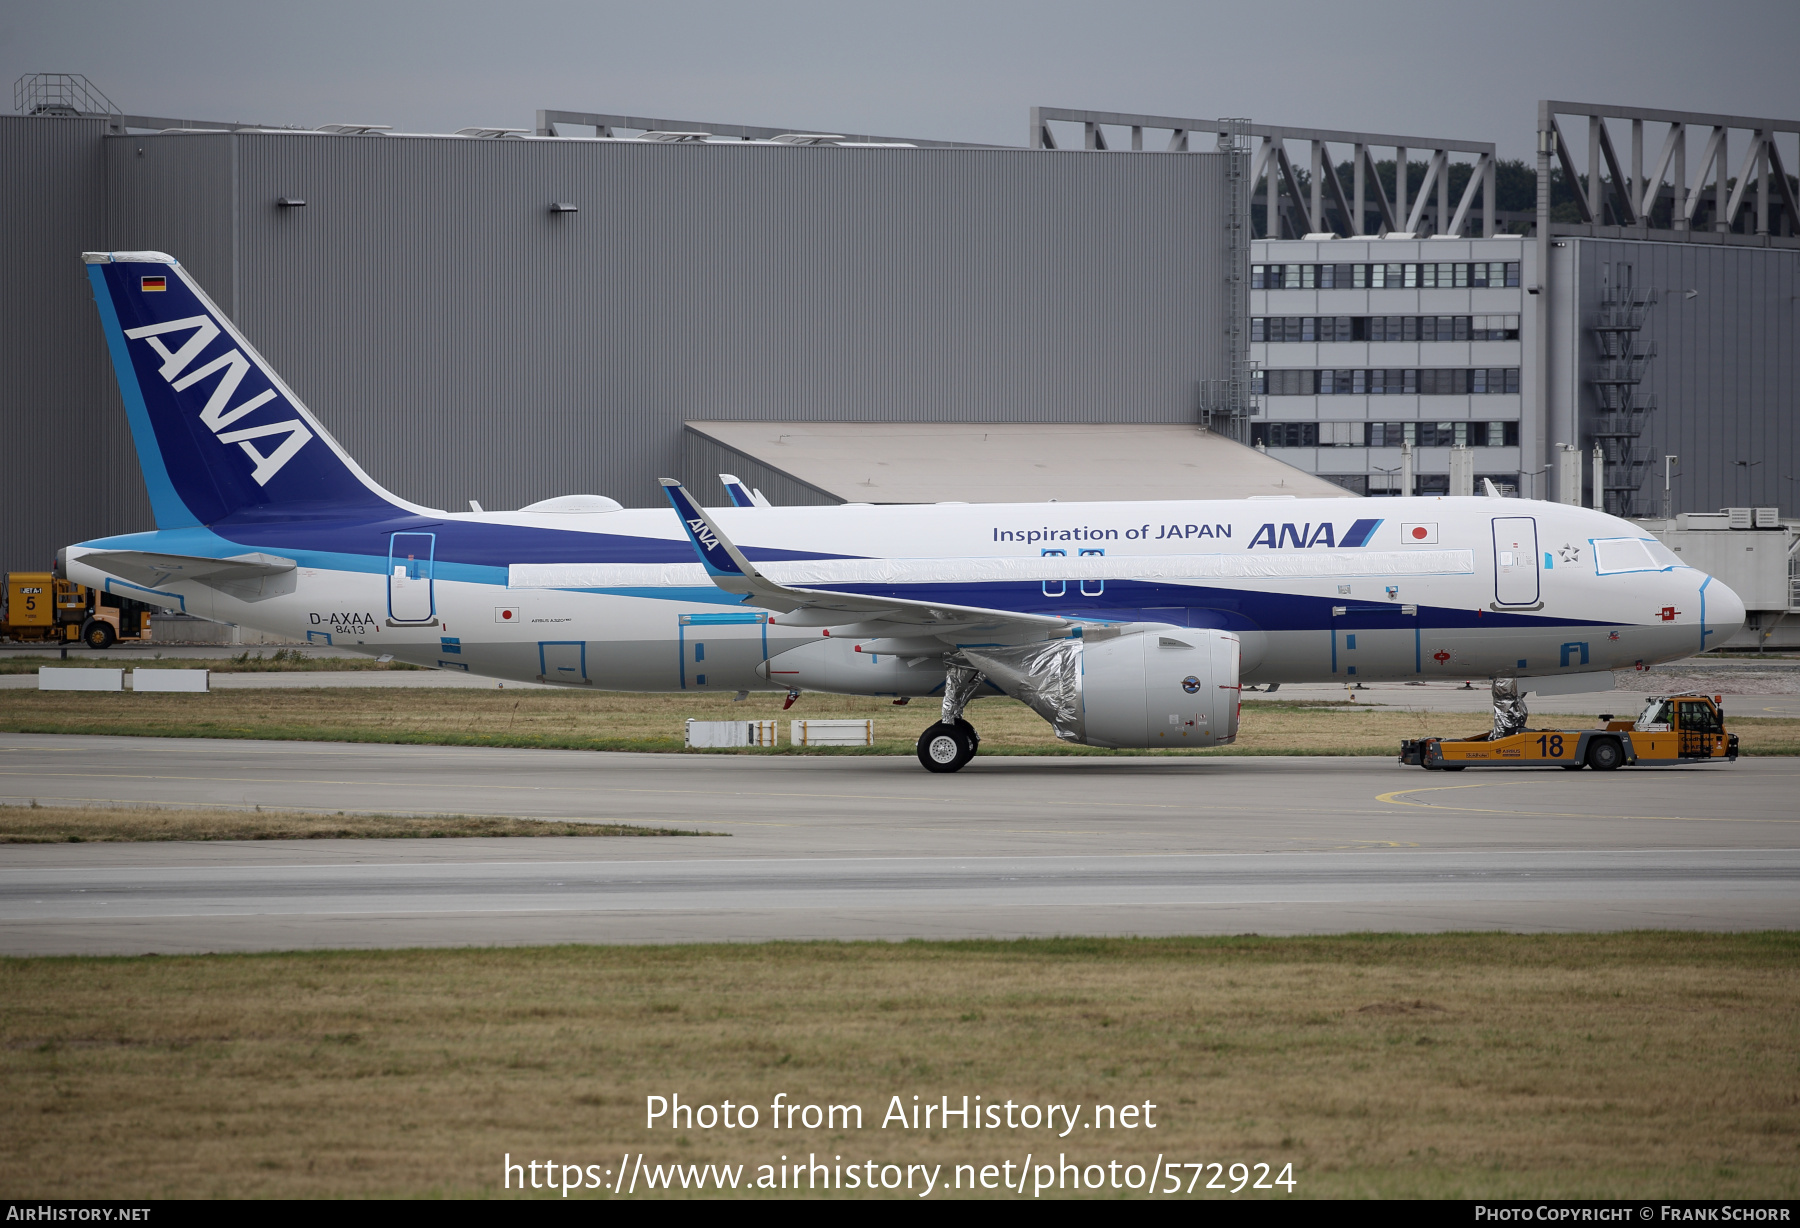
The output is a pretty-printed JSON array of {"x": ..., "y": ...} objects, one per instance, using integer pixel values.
[{"x": 1615, "y": 554}]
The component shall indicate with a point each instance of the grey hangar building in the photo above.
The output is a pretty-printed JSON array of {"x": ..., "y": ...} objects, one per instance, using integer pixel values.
[{"x": 1127, "y": 306}]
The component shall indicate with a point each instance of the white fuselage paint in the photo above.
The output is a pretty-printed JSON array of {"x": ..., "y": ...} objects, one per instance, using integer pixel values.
[{"x": 1386, "y": 609}]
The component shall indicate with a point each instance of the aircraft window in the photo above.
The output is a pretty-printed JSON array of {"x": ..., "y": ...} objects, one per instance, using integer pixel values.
[
  {"x": 1662, "y": 555},
  {"x": 1616, "y": 554}
]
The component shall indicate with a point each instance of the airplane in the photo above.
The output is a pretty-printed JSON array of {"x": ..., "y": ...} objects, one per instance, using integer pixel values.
[{"x": 1122, "y": 624}]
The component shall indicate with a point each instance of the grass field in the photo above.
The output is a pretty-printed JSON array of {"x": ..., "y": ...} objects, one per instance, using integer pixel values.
[
  {"x": 1634, "y": 1066},
  {"x": 36, "y": 824},
  {"x": 614, "y": 720}
]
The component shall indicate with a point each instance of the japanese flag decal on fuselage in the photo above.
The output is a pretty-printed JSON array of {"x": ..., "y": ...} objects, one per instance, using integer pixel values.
[{"x": 218, "y": 412}]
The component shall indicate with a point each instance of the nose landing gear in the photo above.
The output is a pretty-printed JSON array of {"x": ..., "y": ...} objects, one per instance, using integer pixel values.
[{"x": 952, "y": 742}]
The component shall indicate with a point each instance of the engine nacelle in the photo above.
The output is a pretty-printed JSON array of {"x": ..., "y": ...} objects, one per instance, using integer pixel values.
[
  {"x": 836, "y": 665},
  {"x": 1175, "y": 687}
]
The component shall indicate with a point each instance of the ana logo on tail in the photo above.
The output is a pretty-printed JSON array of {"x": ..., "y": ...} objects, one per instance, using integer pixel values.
[
  {"x": 703, "y": 533},
  {"x": 219, "y": 413}
]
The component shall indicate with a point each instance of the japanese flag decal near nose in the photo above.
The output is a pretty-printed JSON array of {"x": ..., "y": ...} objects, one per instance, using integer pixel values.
[{"x": 1419, "y": 534}]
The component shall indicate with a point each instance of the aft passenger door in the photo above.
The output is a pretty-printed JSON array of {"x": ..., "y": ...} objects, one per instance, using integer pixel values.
[
  {"x": 411, "y": 599},
  {"x": 1516, "y": 563}
]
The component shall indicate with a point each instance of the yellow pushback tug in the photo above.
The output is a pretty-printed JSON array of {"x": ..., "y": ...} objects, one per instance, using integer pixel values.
[{"x": 1671, "y": 729}]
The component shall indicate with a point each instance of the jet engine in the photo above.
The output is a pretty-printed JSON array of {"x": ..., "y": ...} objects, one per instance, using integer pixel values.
[{"x": 1174, "y": 687}]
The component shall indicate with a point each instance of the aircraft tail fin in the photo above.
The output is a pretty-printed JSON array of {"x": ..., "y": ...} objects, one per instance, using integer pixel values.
[
  {"x": 742, "y": 495},
  {"x": 218, "y": 433}
]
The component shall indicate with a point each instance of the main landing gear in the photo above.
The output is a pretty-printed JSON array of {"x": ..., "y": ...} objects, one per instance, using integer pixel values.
[{"x": 952, "y": 742}]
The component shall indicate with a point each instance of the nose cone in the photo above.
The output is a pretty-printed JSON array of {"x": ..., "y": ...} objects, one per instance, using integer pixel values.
[{"x": 1724, "y": 615}]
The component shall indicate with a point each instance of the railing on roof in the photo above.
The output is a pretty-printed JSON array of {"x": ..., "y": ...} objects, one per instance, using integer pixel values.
[
  {"x": 59, "y": 93},
  {"x": 607, "y": 124}
]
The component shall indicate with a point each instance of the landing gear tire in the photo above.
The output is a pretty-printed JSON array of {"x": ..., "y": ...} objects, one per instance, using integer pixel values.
[
  {"x": 98, "y": 634},
  {"x": 946, "y": 748},
  {"x": 1605, "y": 755}
]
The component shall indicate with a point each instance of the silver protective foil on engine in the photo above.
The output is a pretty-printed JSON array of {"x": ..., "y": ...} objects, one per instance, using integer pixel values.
[
  {"x": 1045, "y": 675},
  {"x": 1509, "y": 708}
]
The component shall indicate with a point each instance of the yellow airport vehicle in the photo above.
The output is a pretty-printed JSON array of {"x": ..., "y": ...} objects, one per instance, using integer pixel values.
[
  {"x": 1671, "y": 729},
  {"x": 40, "y": 608}
]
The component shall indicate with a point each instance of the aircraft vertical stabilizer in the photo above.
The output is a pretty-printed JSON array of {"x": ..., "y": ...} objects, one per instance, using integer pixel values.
[{"x": 219, "y": 435}]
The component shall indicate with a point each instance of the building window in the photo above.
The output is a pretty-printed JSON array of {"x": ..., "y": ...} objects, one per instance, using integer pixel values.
[
  {"x": 1388, "y": 381},
  {"x": 1442, "y": 434},
  {"x": 1385, "y": 328},
  {"x": 1382, "y": 276},
  {"x": 1285, "y": 434}
]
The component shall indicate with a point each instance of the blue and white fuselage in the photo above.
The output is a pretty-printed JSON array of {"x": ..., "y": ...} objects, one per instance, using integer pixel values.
[{"x": 264, "y": 521}]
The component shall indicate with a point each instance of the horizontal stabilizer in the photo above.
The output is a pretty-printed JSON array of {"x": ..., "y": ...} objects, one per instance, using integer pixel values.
[{"x": 155, "y": 570}]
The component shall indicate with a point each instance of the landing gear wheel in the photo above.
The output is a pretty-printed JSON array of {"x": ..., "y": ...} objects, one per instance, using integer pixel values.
[
  {"x": 98, "y": 634},
  {"x": 946, "y": 748},
  {"x": 1604, "y": 755}
]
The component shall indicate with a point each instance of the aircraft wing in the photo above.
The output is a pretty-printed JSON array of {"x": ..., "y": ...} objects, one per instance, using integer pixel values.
[
  {"x": 155, "y": 570},
  {"x": 727, "y": 567}
]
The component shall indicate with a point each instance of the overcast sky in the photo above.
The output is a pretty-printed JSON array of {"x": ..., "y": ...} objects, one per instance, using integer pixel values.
[{"x": 965, "y": 70}]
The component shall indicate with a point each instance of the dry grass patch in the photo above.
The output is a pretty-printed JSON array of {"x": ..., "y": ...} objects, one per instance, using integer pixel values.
[
  {"x": 36, "y": 824},
  {"x": 1638, "y": 1065},
  {"x": 619, "y": 720}
]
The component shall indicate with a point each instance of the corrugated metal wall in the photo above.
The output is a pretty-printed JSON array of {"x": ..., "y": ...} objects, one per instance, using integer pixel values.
[
  {"x": 463, "y": 342},
  {"x": 1726, "y": 376},
  {"x": 59, "y": 438}
]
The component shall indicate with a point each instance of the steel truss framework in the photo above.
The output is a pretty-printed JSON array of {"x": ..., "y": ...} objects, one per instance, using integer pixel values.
[
  {"x": 607, "y": 124},
  {"x": 1659, "y": 196},
  {"x": 1323, "y": 206}
]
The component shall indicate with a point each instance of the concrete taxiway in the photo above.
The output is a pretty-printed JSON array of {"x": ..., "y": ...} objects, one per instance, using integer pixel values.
[{"x": 876, "y": 848}]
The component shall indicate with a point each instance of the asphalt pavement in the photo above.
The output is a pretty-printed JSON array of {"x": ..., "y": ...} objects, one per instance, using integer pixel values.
[{"x": 864, "y": 847}]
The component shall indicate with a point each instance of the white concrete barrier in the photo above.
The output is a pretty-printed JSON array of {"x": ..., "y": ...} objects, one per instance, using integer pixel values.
[
  {"x": 831, "y": 733},
  {"x": 61, "y": 678},
  {"x": 170, "y": 680},
  {"x": 731, "y": 733}
]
